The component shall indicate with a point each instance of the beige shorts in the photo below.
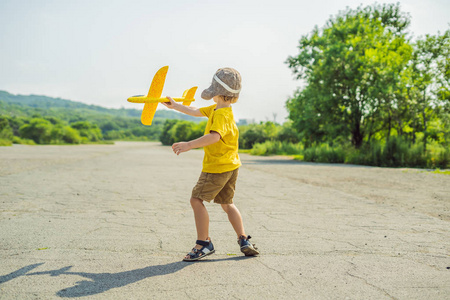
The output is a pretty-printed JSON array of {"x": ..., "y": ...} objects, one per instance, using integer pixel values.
[{"x": 216, "y": 186}]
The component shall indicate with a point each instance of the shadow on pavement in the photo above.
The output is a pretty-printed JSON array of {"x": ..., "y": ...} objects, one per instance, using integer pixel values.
[
  {"x": 101, "y": 282},
  {"x": 18, "y": 273}
]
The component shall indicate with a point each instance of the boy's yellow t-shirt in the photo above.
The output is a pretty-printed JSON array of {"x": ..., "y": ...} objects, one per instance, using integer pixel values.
[{"x": 222, "y": 156}]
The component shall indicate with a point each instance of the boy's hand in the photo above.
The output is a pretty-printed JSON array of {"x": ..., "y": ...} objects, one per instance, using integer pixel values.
[
  {"x": 169, "y": 104},
  {"x": 181, "y": 147}
]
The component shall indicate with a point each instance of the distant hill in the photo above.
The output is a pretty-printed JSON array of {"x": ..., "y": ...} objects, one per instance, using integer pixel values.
[{"x": 27, "y": 105}]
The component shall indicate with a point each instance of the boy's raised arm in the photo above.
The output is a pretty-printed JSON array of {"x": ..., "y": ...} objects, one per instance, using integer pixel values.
[{"x": 188, "y": 110}]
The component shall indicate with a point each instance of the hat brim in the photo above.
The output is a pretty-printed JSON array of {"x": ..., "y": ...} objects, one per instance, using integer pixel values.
[{"x": 208, "y": 94}]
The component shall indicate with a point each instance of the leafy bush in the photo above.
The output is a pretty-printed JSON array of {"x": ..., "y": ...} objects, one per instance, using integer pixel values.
[
  {"x": 6, "y": 132},
  {"x": 166, "y": 136},
  {"x": 5, "y": 142},
  {"x": 88, "y": 131},
  {"x": 438, "y": 156},
  {"x": 65, "y": 135},
  {"x": 394, "y": 153},
  {"x": 38, "y": 129},
  {"x": 416, "y": 157},
  {"x": 18, "y": 140},
  {"x": 252, "y": 134},
  {"x": 288, "y": 134},
  {"x": 176, "y": 131},
  {"x": 324, "y": 153},
  {"x": 443, "y": 160},
  {"x": 276, "y": 147},
  {"x": 114, "y": 135}
]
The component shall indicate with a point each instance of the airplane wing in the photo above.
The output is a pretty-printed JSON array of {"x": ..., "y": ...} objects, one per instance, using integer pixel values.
[
  {"x": 188, "y": 95},
  {"x": 155, "y": 91}
]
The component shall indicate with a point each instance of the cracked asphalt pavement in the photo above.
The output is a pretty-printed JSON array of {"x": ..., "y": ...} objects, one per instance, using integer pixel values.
[{"x": 114, "y": 222}]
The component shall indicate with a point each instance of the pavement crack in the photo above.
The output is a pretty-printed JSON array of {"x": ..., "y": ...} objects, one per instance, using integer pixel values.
[
  {"x": 372, "y": 285},
  {"x": 123, "y": 224},
  {"x": 338, "y": 241},
  {"x": 279, "y": 273},
  {"x": 263, "y": 226}
]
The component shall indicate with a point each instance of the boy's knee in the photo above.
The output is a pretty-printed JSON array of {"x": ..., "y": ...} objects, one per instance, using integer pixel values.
[
  {"x": 196, "y": 201},
  {"x": 226, "y": 207}
]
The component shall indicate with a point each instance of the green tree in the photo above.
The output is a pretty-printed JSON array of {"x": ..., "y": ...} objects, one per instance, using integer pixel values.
[
  {"x": 287, "y": 133},
  {"x": 15, "y": 123},
  {"x": 39, "y": 130},
  {"x": 6, "y": 131},
  {"x": 430, "y": 83},
  {"x": 351, "y": 68},
  {"x": 64, "y": 134},
  {"x": 198, "y": 130},
  {"x": 88, "y": 131},
  {"x": 250, "y": 135},
  {"x": 166, "y": 137},
  {"x": 181, "y": 131}
]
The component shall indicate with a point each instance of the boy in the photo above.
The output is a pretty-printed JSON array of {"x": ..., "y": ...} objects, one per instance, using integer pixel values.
[{"x": 220, "y": 163}]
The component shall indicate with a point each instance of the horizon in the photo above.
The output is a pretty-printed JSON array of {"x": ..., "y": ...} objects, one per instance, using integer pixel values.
[{"x": 139, "y": 110}]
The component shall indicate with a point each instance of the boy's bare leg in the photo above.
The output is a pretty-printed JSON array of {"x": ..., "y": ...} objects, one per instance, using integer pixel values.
[
  {"x": 235, "y": 218},
  {"x": 201, "y": 220}
]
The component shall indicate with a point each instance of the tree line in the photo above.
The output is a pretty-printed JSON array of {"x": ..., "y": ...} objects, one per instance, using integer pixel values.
[
  {"x": 265, "y": 138},
  {"x": 37, "y": 129},
  {"x": 49, "y": 120}
]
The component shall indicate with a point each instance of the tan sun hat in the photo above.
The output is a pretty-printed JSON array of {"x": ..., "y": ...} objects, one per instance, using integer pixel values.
[{"x": 226, "y": 82}]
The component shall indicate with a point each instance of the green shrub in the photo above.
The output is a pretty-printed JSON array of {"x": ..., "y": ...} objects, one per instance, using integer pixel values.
[
  {"x": 177, "y": 130},
  {"x": 276, "y": 148},
  {"x": 61, "y": 134},
  {"x": 38, "y": 129},
  {"x": 5, "y": 142},
  {"x": 439, "y": 156},
  {"x": 395, "y": 152},
  {"x": 291, "y": 148},
  {"x": 181, "y": 131},
  {"x": 6, "y": 132},
  {"x": 18, "y": 140},
  {"x": 324, "y": 153},
  {"x": 357, "y": 158},
  {"x": 166, "y": 136},
  {"x": 250, "y": 135},
  {"x": 72, "y": 136},
  {"x": 288, "y": 134},
  {"x": 375, "y": 157},
  {"x": 114, "y": 135},
  {"x": 416, "y": 157},
  {"x": 88, "y": 131},
  {"x": 310, "y": 154},
  {"x": 370, "y": 155},
  {"x": 443, "y": 161}
]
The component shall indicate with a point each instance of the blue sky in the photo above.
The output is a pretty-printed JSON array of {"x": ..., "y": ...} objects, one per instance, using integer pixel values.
[{"x": 101, "y": 52}]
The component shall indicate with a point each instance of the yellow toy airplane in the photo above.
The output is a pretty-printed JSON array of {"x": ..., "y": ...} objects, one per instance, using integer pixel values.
[{"x": 154, "y": 96}]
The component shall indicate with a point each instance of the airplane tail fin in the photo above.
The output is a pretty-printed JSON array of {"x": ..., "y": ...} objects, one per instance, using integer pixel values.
[
  {"x": 189, "y": 95},
  {"x": 155, "y": 91}
]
